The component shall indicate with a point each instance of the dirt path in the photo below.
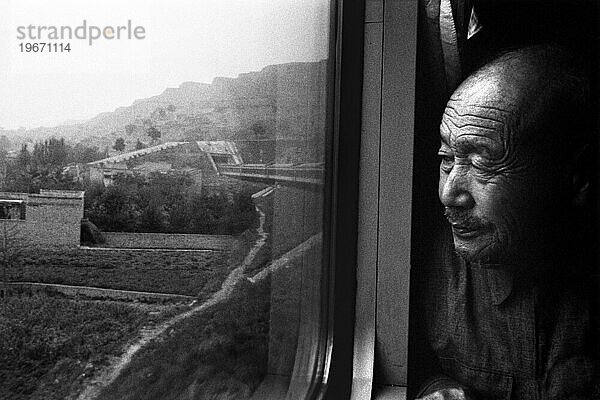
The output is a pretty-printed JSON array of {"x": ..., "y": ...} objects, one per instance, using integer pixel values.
[
  {"x": 260, "y": 242},
  {"x": 112, "y": 371}
]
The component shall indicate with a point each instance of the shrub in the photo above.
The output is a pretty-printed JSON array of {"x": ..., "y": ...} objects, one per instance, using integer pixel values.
[{"x": 38, "y": 333}]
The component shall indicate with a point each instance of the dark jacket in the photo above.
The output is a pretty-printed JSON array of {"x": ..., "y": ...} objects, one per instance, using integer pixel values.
[{"x": 502, "y": 334}]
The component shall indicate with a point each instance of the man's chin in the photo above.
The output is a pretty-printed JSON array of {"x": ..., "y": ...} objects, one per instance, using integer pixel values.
[{"x": 476, "y": 251}]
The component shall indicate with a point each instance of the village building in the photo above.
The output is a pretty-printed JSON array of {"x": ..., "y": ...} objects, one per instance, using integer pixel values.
[
  {"x": 196, "y": 159},
  {"x": 51, "y": 218}
]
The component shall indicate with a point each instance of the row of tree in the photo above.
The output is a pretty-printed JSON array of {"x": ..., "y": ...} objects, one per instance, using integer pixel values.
[
  {"x": 42, "y": 167},
  {"x": 151, "y": 131},
  {"x": 169, "y": 203},
  {"x": 159, "y": 203}
]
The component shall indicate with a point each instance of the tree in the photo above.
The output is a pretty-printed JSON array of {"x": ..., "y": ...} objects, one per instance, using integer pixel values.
[
  {"x": 84, "y": 154},
  {"x": 4, "y": 143},
  {"x": 43, "y": 168},
  {"x": 119, "y": 144},
  {"x": 258, "y": 129},
  {"x": 11, "y": 247},
  {"x": 24, "y": 157},
  {"x": 3, "y": 167},
  {"x": 154, "y": 217},
  {"x": 170, "y": 108},
  {"x": 129, "y": 129},
  {"x": 154, "y": 134},
  {"x": 139, "y": 145},
  {"x": 113, "y": 208},
  {"x": 51, "y": 153}
]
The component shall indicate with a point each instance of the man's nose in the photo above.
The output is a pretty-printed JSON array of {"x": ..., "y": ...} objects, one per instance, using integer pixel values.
[{"x": 456, "y": 190}]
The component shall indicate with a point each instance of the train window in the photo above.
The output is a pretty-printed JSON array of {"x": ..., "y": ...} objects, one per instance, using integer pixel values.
[{"x": 189, "y": 173}]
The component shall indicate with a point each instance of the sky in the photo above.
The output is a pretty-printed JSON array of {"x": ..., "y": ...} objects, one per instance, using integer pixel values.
[{"x": 185, "y": 40}]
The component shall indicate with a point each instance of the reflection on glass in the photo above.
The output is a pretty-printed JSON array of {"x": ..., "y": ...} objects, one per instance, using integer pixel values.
[{"x": 161, "y": 198}]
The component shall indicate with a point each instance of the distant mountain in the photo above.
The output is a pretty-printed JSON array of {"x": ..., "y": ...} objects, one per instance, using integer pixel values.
[{"x": 285, "y": 101}]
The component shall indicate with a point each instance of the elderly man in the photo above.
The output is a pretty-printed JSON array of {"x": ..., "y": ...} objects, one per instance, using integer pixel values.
[{"x": 508, "y": 308}]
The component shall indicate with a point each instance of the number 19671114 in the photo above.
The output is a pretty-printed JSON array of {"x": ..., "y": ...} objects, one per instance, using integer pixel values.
[{"x": 45, "y": 47}]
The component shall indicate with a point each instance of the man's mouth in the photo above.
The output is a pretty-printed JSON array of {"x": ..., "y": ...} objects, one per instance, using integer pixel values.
[
  {"x": 465, "y": 231},
  {"x": 463, "y": 224}
]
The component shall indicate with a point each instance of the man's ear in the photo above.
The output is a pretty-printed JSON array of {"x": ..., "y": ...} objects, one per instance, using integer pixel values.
[{"x": 581, "y": 173}]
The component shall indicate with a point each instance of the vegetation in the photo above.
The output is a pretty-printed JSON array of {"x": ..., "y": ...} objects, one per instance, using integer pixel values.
[
  {"x": 187, "y": 273},
  {"x": 139, "y": 145},
  {"x": 119, "y": 144},
  {"x": 42, "y": 168},
  {"x": 154, "y": 133},
  {"x": 166, "y": 203},
  {"x": 48, "y": 345},
  {"x": 170, "y": 203},
  {"x": 129, "y": 129},
  {"x": 220, "y": 353}
]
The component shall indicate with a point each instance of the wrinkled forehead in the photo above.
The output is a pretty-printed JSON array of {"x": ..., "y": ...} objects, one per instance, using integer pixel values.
[
  {"x": 477, "y": 119},
  {"x": 484, "y": 106}
]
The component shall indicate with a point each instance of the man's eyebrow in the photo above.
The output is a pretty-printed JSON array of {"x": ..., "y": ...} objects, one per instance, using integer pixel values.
[
  {"x": 444, "y": 132},
  {"x": 491, "y": 146}
]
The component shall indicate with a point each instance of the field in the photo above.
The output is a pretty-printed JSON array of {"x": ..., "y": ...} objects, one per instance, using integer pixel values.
[
  {"x": 188, "y": 273},
  {"x": 220, "y": 353},
  {"x": 49, "y": 345}
]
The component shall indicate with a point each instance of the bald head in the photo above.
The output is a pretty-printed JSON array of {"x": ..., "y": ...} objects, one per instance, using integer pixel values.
[{"x": 541, "y": 90}]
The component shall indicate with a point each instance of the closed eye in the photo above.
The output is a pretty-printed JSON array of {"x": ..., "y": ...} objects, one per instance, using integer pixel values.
[{"x": 447, "y": 162}]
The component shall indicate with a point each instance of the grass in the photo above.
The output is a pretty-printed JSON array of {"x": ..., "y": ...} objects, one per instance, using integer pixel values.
[
  {"x": 49, "y": 345},
  {"x": 187, "y": 273},
  {"x": 220, "y": 353}
]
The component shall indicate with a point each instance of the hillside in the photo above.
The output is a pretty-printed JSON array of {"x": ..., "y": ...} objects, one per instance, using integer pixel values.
[{"x": 285, "y": 101}]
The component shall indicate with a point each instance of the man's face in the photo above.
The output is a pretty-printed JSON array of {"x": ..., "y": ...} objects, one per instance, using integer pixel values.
[{"x": 489, "y": 183}]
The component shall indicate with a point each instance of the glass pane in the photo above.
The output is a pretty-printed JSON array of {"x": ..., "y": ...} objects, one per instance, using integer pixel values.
[{"x": 161, "y": 197}]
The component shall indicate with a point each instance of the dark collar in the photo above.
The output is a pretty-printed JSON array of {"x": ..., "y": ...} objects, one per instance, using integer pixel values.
[{"x": 501, "y": 282}]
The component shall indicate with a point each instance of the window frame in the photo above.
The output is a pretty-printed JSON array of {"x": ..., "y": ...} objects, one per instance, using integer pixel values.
[
  {"x": 327, "y": 356},
  {"x": 341, "y": 202},
  {"x": 384, "y": 239},
  {"x": 344, "y": 362},
  {"x": 350, "y": 368}
]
